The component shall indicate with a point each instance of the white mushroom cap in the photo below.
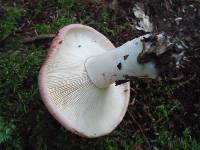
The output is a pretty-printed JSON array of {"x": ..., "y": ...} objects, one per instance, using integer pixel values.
[{"x": 67, "y": 91}]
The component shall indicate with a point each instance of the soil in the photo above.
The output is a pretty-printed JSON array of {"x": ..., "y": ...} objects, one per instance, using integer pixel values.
[{"x": 181, "y": 19}]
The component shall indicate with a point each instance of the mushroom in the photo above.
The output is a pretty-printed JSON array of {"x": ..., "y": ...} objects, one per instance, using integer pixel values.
[{"x": 77, "y": 79}]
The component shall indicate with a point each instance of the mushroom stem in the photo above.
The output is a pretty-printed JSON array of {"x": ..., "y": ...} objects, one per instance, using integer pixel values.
[{"x": 120, "y": 64}]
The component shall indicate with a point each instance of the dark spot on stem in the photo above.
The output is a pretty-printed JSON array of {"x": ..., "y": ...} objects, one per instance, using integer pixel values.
[
  {"x": 125, "y": 57},
  {"x": 119, "y": 66},
  {"x": 119, "y": 82},
  {"x": 126, "y": 90},
  {"x": 60, "y": 42}
]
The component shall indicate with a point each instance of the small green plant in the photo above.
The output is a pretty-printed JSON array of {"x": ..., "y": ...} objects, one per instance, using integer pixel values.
[
  {"x": 162, "y": 111},
  {"x": 66, "y": 6},
  {"x": 54, "y": 26},
  {"x": 185, "y": 142},
  {"x": 18, "y": 94},
  {"x": 60, "y": 22},
  {"x": 103, "y": 23},
  {"x": 43, "y": 28},
  {"x": 6, "y": 129},
  {"x": 9, "y": 21}
]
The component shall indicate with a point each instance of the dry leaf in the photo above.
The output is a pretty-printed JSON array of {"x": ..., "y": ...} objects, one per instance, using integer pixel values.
[{"x": 144, "y": 23}]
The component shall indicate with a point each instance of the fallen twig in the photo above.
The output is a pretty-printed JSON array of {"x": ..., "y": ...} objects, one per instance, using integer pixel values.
[
  {"x": 187, "y": 81},
  {"x": 141, "y": 130},
  {"x": 38, "y": 37},
  {"x": 178, "y": 78}
]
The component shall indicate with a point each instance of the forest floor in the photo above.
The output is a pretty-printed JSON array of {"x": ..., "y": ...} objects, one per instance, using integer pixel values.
[{"x": 162, "y": 115}]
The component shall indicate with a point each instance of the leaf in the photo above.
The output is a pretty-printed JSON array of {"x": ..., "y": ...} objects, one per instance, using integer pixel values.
[{"x": 144, "y": 22}]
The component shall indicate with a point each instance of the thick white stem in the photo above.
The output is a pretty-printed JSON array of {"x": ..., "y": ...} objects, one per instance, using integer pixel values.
[{"x": 118, "y": 64}]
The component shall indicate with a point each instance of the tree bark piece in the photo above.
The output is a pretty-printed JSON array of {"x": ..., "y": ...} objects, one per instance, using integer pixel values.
[{"x": 38, "y": 37}]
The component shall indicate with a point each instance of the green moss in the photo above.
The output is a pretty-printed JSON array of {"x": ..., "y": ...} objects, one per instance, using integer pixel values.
[
  {"x": 9, "y": 21},
  {"x": 162, "y": 111},
  {"x": 54, "y": 26},
  {"x": 6, "y": 129},
  {"x": 103, "y": 24},
  {"x": 43, "y": 28},
  {"x": 167, "y": 141},
  {"x": 60, "y": 22},
  {"x": 66, "y": 6}
]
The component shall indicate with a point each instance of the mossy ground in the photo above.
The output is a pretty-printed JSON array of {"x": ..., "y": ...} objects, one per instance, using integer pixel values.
[{"x": 25, "y": 122}]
